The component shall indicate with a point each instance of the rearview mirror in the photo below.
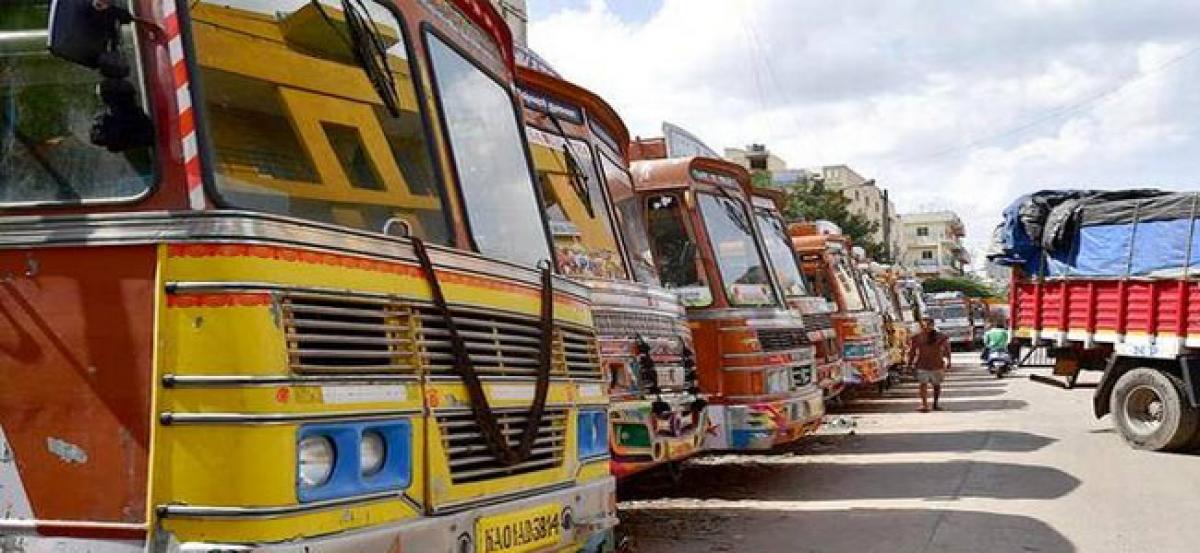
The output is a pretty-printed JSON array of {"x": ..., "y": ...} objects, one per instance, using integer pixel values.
[{"x": 82, "y": 30}]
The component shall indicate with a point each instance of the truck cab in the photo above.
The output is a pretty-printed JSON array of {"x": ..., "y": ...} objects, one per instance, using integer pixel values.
[
  {"x": 579, "y": 145},
  {"x": 816, "y": 313},
  {"x": 954, "y": 316},
  {"x": 827, "y": 261},
  {"x": 753, "y": 356},
  {"x": 280, "y": 285}
]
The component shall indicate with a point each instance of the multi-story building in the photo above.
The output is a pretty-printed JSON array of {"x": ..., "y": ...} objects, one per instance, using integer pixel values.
[
  {"x": 756, "y": 157},
  {"x": 933, "y": 244},
  {"x": 869, "y": 201}
]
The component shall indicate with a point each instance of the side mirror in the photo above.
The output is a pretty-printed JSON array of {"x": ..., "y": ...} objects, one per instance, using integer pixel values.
[{"x": 82, "y": 30}]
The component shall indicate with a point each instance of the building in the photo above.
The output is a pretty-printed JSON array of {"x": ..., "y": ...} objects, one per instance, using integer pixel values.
[
  {"x": 756, "y": 157},
  {"x": 932, "y": 244},
  {"x": 517, "y": 18},
  {"x": 867, "y": 200}
]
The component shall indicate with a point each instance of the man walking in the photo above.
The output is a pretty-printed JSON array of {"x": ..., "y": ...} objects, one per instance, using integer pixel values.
[{"x": 929, "y": 354}]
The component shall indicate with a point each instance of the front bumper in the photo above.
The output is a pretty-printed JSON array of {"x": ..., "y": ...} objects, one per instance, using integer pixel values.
[
  {"x": 640, "y": 441},
  {"x": 592, "y": 509},
  {"x": 867, "y": 371},
  {"x": 762, "y": 426}
]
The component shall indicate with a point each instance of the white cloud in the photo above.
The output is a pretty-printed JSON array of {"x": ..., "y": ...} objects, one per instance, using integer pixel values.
[{"x": 949, "y": 104}]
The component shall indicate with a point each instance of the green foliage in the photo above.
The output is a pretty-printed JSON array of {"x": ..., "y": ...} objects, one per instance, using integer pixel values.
[
  {"x": 970, "y": 286},
  {"x": 812, "y": 201}
]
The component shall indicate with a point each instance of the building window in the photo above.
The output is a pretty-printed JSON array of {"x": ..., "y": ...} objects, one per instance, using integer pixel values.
[
  {"x": 926, "y": 254},
  {"x": 922, "y": 231}
]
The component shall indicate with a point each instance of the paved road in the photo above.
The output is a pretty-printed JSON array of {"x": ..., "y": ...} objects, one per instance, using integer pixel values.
[{"x": 1011, "y": 466}]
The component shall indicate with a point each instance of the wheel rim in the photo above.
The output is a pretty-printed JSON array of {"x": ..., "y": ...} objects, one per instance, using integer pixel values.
[{"x": 1144, "y": 410}]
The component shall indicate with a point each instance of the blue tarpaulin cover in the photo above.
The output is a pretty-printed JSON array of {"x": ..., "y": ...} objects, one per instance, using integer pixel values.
[{"x": 1144, "y": 233}]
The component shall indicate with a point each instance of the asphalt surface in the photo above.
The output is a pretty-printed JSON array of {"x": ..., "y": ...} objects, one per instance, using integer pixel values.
[{"x": 1011, "y": 466}]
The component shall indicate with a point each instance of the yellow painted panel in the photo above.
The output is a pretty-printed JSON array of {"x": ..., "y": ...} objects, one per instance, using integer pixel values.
[
  {"x": 337, "y": 276},
  {"x": 593, "y": 471},
  {"x": 291, "y": 399},
  {"x": 286, "y": 528},
  {"x": 222, "y": 341}
]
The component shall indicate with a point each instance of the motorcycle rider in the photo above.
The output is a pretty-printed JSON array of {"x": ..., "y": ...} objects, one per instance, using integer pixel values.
[{"x": 994, "y": 340}]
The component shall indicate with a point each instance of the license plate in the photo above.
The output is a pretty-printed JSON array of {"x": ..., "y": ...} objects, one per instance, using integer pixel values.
[{"x": 519, "y": 532}]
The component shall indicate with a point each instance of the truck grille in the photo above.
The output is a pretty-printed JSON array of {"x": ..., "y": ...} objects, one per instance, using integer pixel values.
[
  {"x": 504, "y": 344},
  {"x": 818, "y": 321},
  {"x": 470, "y": 460},
  {"x": 332, "y": 335},
  {"x": 780, "y": 339},
  {"x": 626, "y": 324}
]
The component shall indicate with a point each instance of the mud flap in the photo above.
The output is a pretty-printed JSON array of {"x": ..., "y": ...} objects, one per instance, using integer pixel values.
[
  {"x": 1189, "y": 369},
  {"x": 1100, "y": 406}
]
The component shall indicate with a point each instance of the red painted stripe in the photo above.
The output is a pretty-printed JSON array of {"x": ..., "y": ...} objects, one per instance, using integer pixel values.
[
  {"x": 192, "y": 168},
  {"x": 171, "y": 26},
  {"x": 180, "y": 74},
  {"x": 187, "y": 122},
  {"x": 218, "y": 300}
]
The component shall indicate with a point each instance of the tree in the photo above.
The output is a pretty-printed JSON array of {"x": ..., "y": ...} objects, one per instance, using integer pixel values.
[
  {"x": 967, "y": 285},
  {"x": 811, "y": 200}
]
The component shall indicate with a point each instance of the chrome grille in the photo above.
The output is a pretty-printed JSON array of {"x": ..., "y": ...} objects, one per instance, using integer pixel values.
[
  {"x": 614, "y": 323},
  {"x": 579, "y": 352},
  {"x": 818, "y": 321},
  {"x": 781, "y": 339},
  {"x": 469, "y": 457},
  {"x": 505, "y": 344},
  {"x": 338, "y": 334}
]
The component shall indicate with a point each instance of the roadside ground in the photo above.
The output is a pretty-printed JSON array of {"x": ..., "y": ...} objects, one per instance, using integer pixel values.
[{"x": 1011, "y": 466}]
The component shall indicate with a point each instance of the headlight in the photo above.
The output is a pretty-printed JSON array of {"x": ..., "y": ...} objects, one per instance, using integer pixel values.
[
  {"x": 315, "y": 460},
  {"x": 372, "y": 452}
]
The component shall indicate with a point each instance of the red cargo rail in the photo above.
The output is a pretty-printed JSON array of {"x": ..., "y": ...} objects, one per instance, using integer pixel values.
[{"x": 1107, "y": 311}]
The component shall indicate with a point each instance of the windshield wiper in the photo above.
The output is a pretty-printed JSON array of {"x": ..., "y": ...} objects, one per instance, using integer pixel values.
[
  {"x": 368, "y": 48},
  {"x": 574, "y": 169},
  {"x": 737, "y": 215}
]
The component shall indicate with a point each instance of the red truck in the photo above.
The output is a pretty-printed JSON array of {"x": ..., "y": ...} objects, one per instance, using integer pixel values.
[{"x": 1104, "y": 281}]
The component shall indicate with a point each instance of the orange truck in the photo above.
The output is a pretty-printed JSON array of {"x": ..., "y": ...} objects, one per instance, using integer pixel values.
[
  {"x": 814, "y": 310},
  {"x": 755, "y": 362},
  {"x": 827, "y": 261}
]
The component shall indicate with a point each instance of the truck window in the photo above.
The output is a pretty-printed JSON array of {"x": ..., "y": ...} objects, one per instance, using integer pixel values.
[
  {"x": 679, "y": 265},
  {"x": 743, "y": 269},
  {"x": 629, "y": 218},
  {"x": 297, "y": 128},
  {"x": 47, "y": 107},
  {"x": 584, "y": 242},
  {"x": 849, "y": 288},
  {"x": 481, "y": 123},
  {"x": 779, "y": 248}
]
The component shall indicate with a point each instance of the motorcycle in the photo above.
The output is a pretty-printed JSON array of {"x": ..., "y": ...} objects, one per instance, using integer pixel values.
[{"x": 999, "y": 363}]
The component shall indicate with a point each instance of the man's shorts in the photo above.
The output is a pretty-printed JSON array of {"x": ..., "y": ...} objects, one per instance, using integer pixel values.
[{"x": 930, "y": 377}]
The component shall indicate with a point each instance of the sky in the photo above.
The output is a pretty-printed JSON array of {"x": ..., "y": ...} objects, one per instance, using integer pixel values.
[{"x": 948, "y": 104}]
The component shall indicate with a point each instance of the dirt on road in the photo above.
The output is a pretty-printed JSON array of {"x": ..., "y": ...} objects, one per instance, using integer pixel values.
[{"x": 1010, "y": 466}]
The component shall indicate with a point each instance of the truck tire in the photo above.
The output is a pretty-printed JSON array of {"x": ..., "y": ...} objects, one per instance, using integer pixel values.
[{"x": 1151, "y": 411}]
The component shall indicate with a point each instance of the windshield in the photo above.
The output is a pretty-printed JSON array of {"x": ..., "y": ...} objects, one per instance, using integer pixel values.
[
  {"x": 47, "y": 110},
  {"x": 947, "y": 312},
  {"x": 298, "y": 127},
  {"x": 584, "y": 242},
  {"x": 489, "y": 158},
  {"x": 629, "y": 218},
  {"x": 743, "y": 271},
  {"x": 844, "y": 276},
  {"x": 779, "y": 248},
  {"x": 675, "y": 250}
]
